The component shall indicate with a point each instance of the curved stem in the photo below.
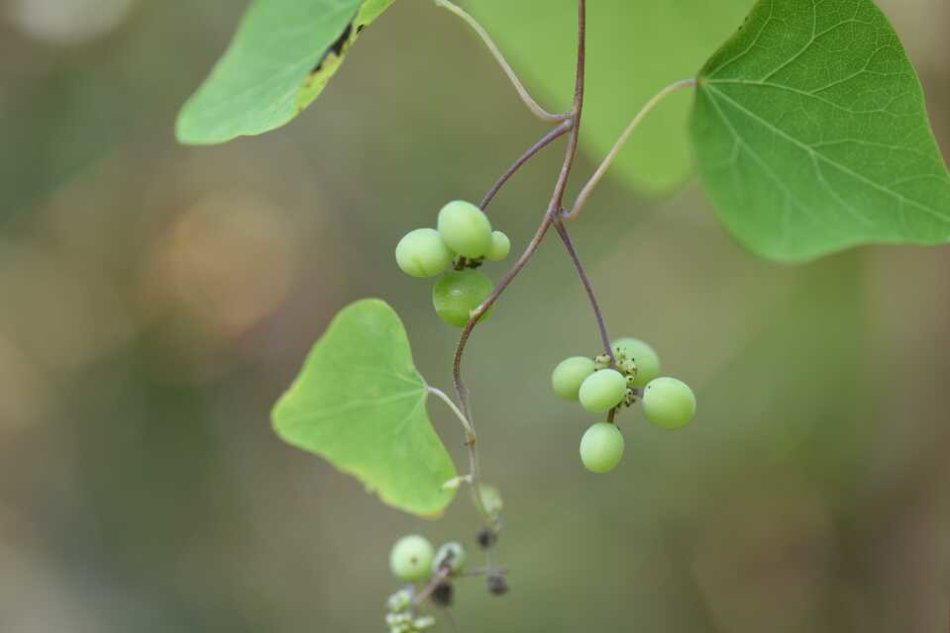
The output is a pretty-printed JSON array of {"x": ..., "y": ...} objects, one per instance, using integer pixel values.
[
  {"x": 530, "y": 153},
  {"x": 528, "y": 100},
  {"x": 552, "y": 212},
  {"x": 460, "y": 390},
  {"x": 588, "y": 189},
  {"x": 588, "y": 288}
]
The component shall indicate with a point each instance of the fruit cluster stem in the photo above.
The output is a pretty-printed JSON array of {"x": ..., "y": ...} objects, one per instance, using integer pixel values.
[
  {"x": 588, "y": 288},
  {"x": 523, "y": 93}
]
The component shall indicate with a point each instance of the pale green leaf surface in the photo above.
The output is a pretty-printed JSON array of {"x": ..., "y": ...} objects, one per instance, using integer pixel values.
[
  {"x": 635, "y": 48},
  {"x": 811, "y": 133},
  {"x": 360, "y": 403},
  {"x": 281, "y": 58}
]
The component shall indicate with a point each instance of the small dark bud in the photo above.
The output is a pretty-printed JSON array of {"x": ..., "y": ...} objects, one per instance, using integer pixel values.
[
  {"x": 486, "y": 538},
  {"x": 497, "y": 584},
  {"x": 443, "y": 594}
]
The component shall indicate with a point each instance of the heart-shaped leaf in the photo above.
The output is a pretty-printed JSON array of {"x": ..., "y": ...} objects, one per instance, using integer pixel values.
[
  {"x": 360, "y": 403},
  {"x": 811, "y": 133},
  {"x": 282, "y": 56}
]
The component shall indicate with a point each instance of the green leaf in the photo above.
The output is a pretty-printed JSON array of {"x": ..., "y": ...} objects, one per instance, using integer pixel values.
[
  {"x": 360, "y": 403},
  {"x": 635, "y": 47},
  {"x": 280, "y": 59},
  {"x": 811, "y": 133}
]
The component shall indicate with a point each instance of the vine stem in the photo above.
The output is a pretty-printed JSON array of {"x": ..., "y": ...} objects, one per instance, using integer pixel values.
[
  {"x": 550, "y": 215},
  {"x": 430, "y": 586},
  {"x": 530, "y": 153},
  {"x": 471, "y": 441},
  {"x": 638, "y": 118},
  {"x": 588, "y": 288},
  {"x": 526, "y": 97}
]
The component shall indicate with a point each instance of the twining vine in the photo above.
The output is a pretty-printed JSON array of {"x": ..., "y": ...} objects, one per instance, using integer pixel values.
[
  {"x": 800, "y": 157},
  {"x": 602, "y": 451}
]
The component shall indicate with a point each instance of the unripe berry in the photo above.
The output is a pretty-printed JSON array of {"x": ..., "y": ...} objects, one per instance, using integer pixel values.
[
  {"x": 422, "y": 253},
  {"x": 459, "y": 292},
  {"x": 486, "y": 538},
  {"x": 669, "y": 403},
  {"x": 491, "y": 499},
  {"x": 602, "y": 390},
  {"x": 500, "y": 247},
  {"x": 411, "y": 558},
  {"x": 465, "y": 228},
  {"x": 567, "y": 377},
  {"x": 644, "y": 357},
  {"x": 601, "y": 447},
  {"x": 497, "y": 584},
  {"x": 451, "y": 555}
]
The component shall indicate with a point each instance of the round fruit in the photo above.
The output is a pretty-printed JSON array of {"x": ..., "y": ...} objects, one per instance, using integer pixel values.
[
  {"x": 645, "y": 357},
  {"x": 500, "y": 247},
  {"x": 669, "y": 402},
  {"x": 569, "y": 374},
  {"x": 601, "y": 447},
  {"x": 451, "y": 555},
  {"x": 458, "y": 293},
  {"x": 422, "y": 253},
  {"x": 491, "y": 499},
  {"x": 465, "y": 228},
  {"x": 411, "y": 558},
  {"x": 603, "y": 390}
]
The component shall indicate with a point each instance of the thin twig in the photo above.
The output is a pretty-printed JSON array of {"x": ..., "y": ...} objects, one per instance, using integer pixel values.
[
  {"x": 612, "y": 155},
  {"x": 554, "y": 208},
  {"x": 437, "y": 579},
  {"x": 526, "y": 97},
  {"x": 588, "y": 288},
  {"x": 532, "y": 151},
  {"x": 471, "y": 443}
]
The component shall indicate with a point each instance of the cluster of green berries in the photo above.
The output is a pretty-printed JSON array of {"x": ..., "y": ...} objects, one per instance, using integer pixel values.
[
  {"x": 462, "y": 240},
  {"x": 601, "y": 387},
  {"x": 413, "y": 558}
]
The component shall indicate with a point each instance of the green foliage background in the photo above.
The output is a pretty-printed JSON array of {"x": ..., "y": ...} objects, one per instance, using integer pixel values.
[{"x": 155, "y": 300}]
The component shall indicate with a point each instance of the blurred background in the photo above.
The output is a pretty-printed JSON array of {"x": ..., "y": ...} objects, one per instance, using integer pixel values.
[{"x": 155, "y": 300}]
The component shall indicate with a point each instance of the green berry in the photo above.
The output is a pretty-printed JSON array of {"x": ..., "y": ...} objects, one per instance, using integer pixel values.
[
  {"x": 644, "y": 356},
  {"x": 451, "y": 555},
  {"x": 465, "y": 229},
  {"x": 500, "y": 247},
  {"x": 601, "y": 447},
  {"x": 669, "y": 402},
  {"x": 569, "y": 374},
  {"x": 491, "y": 499},
  {"x": 459, "y": 292},
  {"x": 422, "y": 253},
  {"x": 411, "y": 558},
  {"x": 603, "y": 390}
]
